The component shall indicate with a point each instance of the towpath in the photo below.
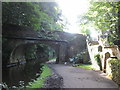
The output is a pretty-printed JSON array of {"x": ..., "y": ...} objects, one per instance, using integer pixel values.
[{"x": 74, "y": 77}]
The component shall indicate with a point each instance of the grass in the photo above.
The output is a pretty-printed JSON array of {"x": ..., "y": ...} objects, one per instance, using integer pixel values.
[
  {"x": 39, "y": 83},
  {"x": 53, "y": 58},
  {"x": 86, "y": 66}
]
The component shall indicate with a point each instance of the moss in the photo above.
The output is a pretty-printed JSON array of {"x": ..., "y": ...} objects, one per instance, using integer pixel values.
[
  {"x": 39, "y": 83},
  {"x": 115, "y": 67}
]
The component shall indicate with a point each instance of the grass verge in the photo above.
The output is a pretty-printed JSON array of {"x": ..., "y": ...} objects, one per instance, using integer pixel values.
[
  {"x": 86, "y": 66},
  {"x": 39, "y": 83},
  {"x": 52, "y": 58}
]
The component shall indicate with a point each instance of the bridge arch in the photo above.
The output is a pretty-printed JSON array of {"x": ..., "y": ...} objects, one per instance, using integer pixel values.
[{"x": 60, "y": 48}]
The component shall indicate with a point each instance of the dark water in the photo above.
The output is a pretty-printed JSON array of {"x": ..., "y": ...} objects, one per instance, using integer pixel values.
[{"x": 12, "y": 76}]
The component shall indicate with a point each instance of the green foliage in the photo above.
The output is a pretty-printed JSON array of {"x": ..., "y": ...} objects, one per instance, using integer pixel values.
[
  {"x": 37, "y": 15},
  {"x": 38, "y": 51},
  {"x": 97, "y": 58},
  {"x": 52, "y": 58},
  {"x": 5, "y": 86},
  {"x": 105, "y": 18},
  {"x": 115, "y": 67},
  {"x": 85, "y": 31},
  {"x": 81, "y": 58},
  {"x": 46, "y": 71},
  {"x": 30, "y": 52},
  {"x": 77, "y": 59}
]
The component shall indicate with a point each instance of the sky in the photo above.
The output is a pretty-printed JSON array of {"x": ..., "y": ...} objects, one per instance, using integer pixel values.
[{"x": 71, "y": 9}]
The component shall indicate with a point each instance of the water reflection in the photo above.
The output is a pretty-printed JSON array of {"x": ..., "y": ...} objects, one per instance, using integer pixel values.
[{"x": 13, "y": 75}]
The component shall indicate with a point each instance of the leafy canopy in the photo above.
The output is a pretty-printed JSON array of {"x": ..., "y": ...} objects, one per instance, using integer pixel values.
[
  {"x": 105, "y": 18},
  {"x": 37, "y": 15}
]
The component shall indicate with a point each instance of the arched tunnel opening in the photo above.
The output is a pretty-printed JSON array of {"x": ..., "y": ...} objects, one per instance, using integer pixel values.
[
  {"x": 27, "y": 52},
  {"x": 40, "y": 52}
]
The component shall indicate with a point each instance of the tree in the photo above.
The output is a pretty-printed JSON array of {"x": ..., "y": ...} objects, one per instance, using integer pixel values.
[
  {"x": 105, "y": 16},
  {"x": 33, "y": 14}
]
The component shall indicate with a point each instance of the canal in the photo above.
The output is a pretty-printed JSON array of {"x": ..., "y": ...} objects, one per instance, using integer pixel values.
[{"x": 21, "y": 74}]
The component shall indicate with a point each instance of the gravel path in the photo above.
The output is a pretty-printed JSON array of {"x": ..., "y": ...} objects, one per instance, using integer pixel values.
[{"x": 74, "y": 77}]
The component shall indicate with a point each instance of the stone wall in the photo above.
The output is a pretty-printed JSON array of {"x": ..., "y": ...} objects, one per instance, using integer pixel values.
[
  {"x": 105, "y": 52},
  {"x": 76, "y": 42},
  {"x": 93, "y": 50},
  {"x": 18, "y": 53}
]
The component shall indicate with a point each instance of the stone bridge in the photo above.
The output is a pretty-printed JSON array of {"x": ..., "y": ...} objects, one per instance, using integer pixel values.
[
  {"x": 19, "y": 45},
  {"x": 67, "y": 45}
]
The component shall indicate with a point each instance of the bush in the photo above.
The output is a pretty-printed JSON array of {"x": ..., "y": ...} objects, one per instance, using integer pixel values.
[
  {"x": 115, "y": 68},
  {"x": 97, "y": 58}
]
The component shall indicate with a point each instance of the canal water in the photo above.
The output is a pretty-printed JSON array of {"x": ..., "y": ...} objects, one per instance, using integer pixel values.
[{"x": 14, "y": 76}]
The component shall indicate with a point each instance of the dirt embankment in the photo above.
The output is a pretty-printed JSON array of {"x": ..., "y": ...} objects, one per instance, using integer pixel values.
[{"x": 54, "y": 81}]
